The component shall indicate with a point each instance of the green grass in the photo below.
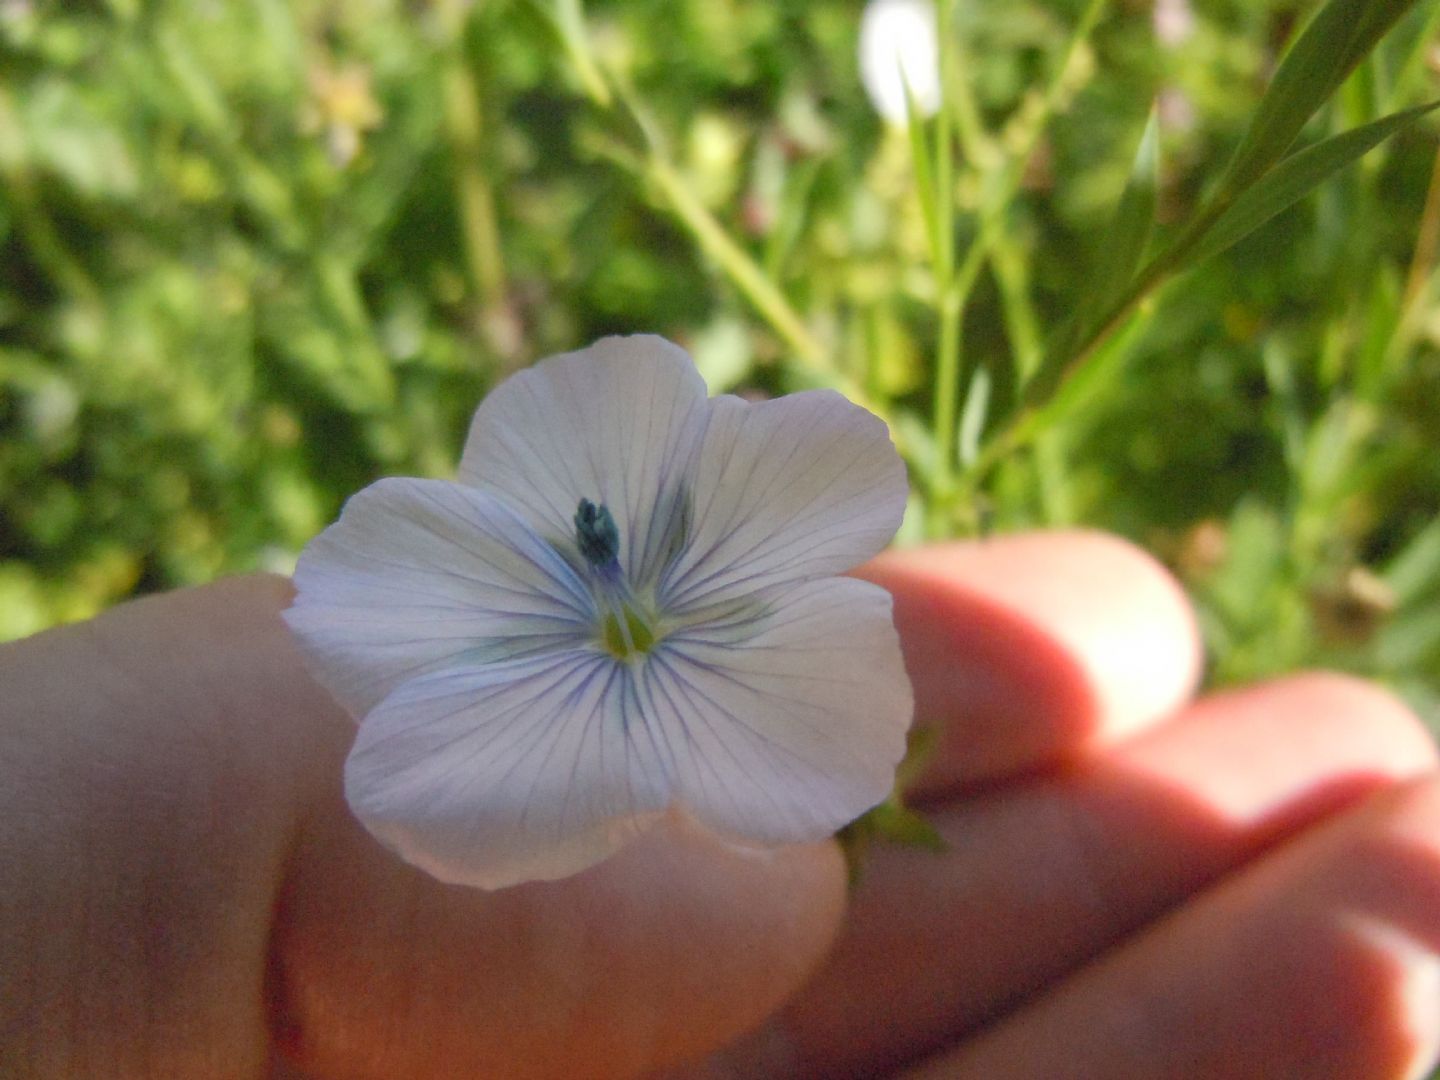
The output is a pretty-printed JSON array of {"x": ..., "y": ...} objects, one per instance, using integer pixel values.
[{"x": 255, "y": 254}]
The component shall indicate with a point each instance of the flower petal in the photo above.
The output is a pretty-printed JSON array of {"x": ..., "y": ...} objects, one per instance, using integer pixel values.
[
  {"x": 421, "y": 574},
  {"x": 528, "y": 770},
  {"x": 617, "y": 423},
  {"x": 785, "y": 490},
  {"x": 784, "y": 721}
]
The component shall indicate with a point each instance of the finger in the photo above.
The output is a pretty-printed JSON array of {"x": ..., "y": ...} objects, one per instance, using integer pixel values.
[
  {"x": 659, "y": 955},
  {"x": 179, "y": 785},
  {"x": 1026, "y": 649},
  {"x": 1322, "y": 960},
  {"x": 1040, "y": 878},
  {"x": 145, "y": 812}
]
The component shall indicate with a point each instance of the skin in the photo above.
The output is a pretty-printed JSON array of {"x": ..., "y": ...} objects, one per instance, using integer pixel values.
[{"x": 1138, "y": 883}]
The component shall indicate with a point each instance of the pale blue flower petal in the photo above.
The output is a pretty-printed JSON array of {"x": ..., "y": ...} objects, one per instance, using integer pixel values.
[
  {"x": 800, "y": 487},
  {"x": 422, "y": 574},
  {"x": 528, "y": 703},
  {"x": 617, "y": 423},
  {"x": 528, "y": 770},
  {"x": 784, "y": 719}
]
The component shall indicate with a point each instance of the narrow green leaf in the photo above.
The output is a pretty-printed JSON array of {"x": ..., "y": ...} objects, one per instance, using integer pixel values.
[
  {"x": 1071, "y": 394},
  {"x": 1409, "y": 642},
  {"x": 922, "y": 454},
  {"x": 924, "y": 173},
  {"x": 973, "y": 416},
  {"x": 1293, "y": 179},
  {"x": 1125, "y": 242},
  {"x": 1129, "y": 232},
  {"x": 1326, "y": 51},
  {"x": 569, "y": 20},
  {"x": 1128, "y": 236},
  {"x": 1411, "y": 73},
  {"x": 1416, "y": 569}
]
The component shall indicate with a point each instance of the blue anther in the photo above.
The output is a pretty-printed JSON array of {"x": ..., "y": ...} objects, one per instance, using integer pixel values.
[{"x": 596, "y": 535}]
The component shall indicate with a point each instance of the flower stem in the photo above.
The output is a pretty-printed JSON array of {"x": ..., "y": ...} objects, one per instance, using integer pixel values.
[
  {"x": 950, "y": 303},
  {"x": 947, "y": 392},
  {"x": 1427, "y": 244},
  {"x": 649, "y": 160},
  {"x": 737, "y": 264},
  {"x": 954, "y": 284},
  {"x": 464, "y": 125}
]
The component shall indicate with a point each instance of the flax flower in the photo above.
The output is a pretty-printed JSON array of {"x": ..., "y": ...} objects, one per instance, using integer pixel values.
[{"x": 627, "y": 606}]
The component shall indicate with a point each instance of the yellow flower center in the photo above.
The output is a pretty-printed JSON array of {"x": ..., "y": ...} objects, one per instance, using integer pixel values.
[{"x": 624, "y": 643}]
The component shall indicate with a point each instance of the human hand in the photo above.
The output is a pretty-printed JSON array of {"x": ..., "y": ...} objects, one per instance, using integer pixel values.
[
  {"x": 1135, "y": 886},
  {"x": 1138, "y": 884}
]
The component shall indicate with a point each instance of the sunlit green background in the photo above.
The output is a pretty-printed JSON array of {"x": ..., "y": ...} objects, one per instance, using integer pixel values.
[{"x": 255, "y": 253}]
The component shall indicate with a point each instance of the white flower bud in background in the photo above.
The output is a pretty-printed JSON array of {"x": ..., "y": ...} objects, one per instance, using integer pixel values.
[{"x": 896, "y": 36}]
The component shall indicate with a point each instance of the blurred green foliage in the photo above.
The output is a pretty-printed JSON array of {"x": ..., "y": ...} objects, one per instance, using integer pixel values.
[{"x": 255, "y": 253}]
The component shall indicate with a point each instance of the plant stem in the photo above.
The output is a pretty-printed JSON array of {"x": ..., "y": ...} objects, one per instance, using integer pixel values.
[
  {"x": 464, "y": 124},
  {"x": 950, "y": 304},
  {"x": 1427, "y": 242},
  {"x": 570, "y": 21},
  {"x": 947, "y": 384},
  {"x": 1003, "y": 185},
  {"x": 734, "y": 261}
]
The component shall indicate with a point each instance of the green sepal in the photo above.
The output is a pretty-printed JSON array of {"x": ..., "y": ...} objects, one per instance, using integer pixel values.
[{"x": 892, "y": 821}]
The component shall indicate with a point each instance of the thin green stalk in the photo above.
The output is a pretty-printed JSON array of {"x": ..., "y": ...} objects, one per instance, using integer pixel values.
[
  {"x": 1422, "y": 263},
  {"x": 1012, "y": 274},
  {"x": 747, "y": 276},
  {"x": 653, "y": 164},
  {"x": 1154, "y": 275},
  {"x": 1023, "y": 424},
  {"x": 943, "y": 242},
  {"x": 31, "y": 218},
  {"x": 1024, "y": 136},
  {"x": 976, "y": 142},
  {"x": 480, "y": 235},
  {"x": 950, "y": 306},
  {"x": 736, "y": 263},
  {"x": 955, "y": 284},
  {"x": 569, "y": 19},
  {"x": 947, "y": 398}
]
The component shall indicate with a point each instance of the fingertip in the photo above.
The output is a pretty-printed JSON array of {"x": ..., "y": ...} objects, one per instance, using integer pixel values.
[
  {"x": 673, "y": 947},
  {"x": 219, "y": 605},
  {"x": 1391, "y": 728},
  {"x": 1270, "y": 758},
  {"x": 1321, "y": 959},
  {"x": 721, "y": 935},
  {"x": 1029, "y": 648}
]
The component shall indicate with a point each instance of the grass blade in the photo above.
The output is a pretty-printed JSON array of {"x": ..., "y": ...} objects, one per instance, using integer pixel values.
[
  {"x": 1125, "y": 242},
  {"x": 1324, "y": 54},
  {"x": 1294, "y": 178},
  {"x": 1416, "y": 569},
  {"x": 1129, "y": 232},
  {"x": 924, "y": 173}
]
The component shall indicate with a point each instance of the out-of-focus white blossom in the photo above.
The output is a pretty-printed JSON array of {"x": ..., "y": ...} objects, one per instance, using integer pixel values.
[{"x": 900, "y": 36}]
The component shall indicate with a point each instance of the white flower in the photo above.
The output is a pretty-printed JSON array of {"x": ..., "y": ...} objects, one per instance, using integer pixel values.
[
  {"x": 627, "y": 606},
  {"x": 899, "y": 36}
]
